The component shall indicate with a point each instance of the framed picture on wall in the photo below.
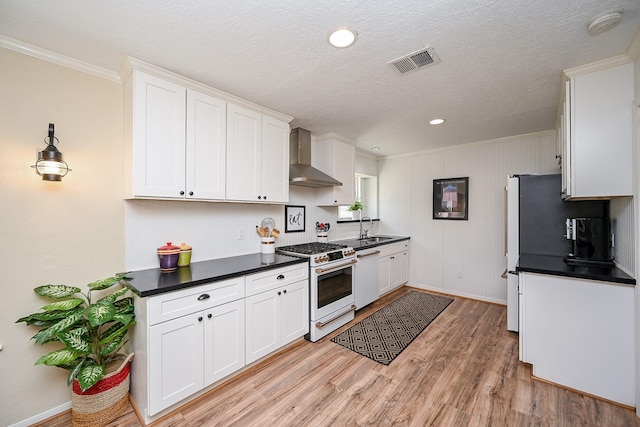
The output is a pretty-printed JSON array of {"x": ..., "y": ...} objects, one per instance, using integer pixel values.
[
  {"x": 294, "y": 219},
  {"x": 451, "y": 198}
]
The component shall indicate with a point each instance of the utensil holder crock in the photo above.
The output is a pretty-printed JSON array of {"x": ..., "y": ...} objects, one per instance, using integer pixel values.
[{"x": 267, "y": 245}]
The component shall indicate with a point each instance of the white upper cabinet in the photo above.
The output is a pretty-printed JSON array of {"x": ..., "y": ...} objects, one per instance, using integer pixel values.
[
  {"x": 244, "y": 163},
  {"x": 177, "y": 146},
  {"x": 596, "y": 131},
  {"x": 336, "y": 158},
  {"x": 155, "y": 155},
  {"x": 206, "y": 146},
  {"x": 185, "y": 140},
  {"x": 257, "y": 157},
  {"x": 275, "y": 159}
]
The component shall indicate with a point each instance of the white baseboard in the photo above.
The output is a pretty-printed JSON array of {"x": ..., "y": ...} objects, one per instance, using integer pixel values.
[
  {"x": 459, "y": 294},
  {"x": 43, "y": 416}
]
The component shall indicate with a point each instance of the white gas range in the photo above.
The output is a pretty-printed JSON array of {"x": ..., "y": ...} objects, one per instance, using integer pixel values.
[{"x": 330, "y": 284}]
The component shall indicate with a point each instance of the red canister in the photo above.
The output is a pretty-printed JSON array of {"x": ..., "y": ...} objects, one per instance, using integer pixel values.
[{"x": 168, "y": 257}]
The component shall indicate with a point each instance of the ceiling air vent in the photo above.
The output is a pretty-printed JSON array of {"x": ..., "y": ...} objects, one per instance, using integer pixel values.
[{"x": 415, "y": 60}]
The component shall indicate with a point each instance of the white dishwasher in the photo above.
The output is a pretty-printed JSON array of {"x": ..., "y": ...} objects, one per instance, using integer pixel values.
[{"x": 366, "y": 288}]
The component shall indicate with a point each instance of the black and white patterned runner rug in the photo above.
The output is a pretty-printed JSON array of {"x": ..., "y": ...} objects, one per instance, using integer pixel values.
[{"x": 383, "y": 335}]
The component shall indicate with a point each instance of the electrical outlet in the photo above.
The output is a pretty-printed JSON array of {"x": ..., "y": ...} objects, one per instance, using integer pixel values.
[
  {"x": 240, "y": 234},
  {"x": 459, "y": 275}
]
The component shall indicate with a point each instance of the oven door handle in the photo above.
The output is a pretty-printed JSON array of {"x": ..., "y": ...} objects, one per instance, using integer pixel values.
[
  {"x": 335, "y": 267},
  {"x": 333, "y": 319}
]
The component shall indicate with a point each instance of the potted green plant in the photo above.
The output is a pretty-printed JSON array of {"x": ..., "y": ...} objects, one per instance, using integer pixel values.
[
  {"x": 357, "y": 206},
  {"x": 92, "y": 329}
]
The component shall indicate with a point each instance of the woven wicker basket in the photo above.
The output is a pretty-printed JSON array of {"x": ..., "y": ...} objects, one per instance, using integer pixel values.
[{"x": 104, "y": 401}]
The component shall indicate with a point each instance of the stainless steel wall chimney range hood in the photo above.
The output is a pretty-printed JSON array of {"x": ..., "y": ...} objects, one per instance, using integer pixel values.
[{"x": 301, "y": 172}]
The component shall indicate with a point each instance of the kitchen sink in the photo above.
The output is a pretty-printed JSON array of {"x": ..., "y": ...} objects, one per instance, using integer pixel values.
[{"x": 375, "y": 239}]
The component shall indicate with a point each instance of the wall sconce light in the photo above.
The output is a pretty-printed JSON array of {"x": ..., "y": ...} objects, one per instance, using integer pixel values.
[{"x": 50, "y": 165}]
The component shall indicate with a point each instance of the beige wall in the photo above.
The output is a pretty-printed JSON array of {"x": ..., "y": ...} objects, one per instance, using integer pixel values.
[{"x": 70, "y": 232}]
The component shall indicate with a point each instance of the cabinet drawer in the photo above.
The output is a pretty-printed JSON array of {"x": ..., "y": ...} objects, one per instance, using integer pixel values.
[
  {"x": 179, "y": 303},
  {"x": 393, "y": 248},
  {"x": 272, "y": 279}
]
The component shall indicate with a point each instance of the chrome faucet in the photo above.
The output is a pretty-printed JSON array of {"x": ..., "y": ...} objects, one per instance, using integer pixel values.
[{"x": 364, "y": 234}]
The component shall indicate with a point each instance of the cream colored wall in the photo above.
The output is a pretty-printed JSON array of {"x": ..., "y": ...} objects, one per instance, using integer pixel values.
[{"x": 71, "y": 232}]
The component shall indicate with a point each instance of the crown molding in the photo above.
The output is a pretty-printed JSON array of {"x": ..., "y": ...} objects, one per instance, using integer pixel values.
[
  {"x": 333, "y": 135},
  {"x": 634, "y": 48},
  {"x": 136, "y": 64},
  {"x": 56, "y": 58}
]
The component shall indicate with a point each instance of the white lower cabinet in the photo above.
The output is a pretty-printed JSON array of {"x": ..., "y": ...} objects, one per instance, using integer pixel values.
[
  {"x": 176, "y": 365},
  {"x": 191, "y": 351},
  {"x": 278, "y": 315},
  {"x": 194, "y": 351},
  {"x": 393, "y": 265},
  {"x": 190, "y": 339},
  {"x": 579, "y": 333},
  {"x": 224, "y": 341}
]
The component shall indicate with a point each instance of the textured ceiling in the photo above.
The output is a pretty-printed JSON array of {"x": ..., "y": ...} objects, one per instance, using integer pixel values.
[{"x": 499, "y": 76}]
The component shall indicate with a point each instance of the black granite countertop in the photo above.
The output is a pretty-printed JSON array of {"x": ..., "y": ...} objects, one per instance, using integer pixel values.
[
  {"x": 371, "y": 242},
  {"x": 555, "y": 265},
  {"x": 145, "y": 283}
]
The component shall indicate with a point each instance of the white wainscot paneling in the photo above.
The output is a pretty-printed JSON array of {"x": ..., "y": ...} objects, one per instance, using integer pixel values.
[
  {"x": 460, "y": 257},
  {"x": 622, "y": 226},
  {"x": 212, "y": 229}
]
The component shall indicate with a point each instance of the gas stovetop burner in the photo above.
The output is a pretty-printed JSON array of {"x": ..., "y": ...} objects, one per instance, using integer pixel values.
[{"x": 312, "y": 248}]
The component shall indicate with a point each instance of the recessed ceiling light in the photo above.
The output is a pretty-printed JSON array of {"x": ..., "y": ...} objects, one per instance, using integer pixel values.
[
  {"x": 436, "y": 121},
  {"x": 375, "y": 148},
  {"x": 342, "y": 37}
]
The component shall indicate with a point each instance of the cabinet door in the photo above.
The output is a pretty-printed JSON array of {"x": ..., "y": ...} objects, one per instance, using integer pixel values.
[
  {"x": 294, "y": 311},
  {"x": 336, "y": 159},
  {"x": 384, "y": 269},
  {"x": 205, "y": 147},
  {"x": 175, "y": 368},
  {"x": 223, "y": 341},
  {"x": 601, "y": 133},
  {"x": 580, "y": 333},
  {"x": 244, "y": 154},
  {"x": 404, "y": 267},
  {"x": 158, "y": 137},
  {"x": 395, "y": 270},
  {"x": 275, "y": 160},
  {"x": 262, "y": 325},
  {"x": 343, "y": 160},
  {"x": 565, "y": 136}
]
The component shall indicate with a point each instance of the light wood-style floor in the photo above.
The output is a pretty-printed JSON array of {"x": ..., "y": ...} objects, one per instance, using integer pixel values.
[{"x": 463, "y": 370}]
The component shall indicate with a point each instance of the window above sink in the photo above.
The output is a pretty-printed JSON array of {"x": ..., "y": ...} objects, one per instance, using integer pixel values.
[{"x": 366, "y": 187}]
